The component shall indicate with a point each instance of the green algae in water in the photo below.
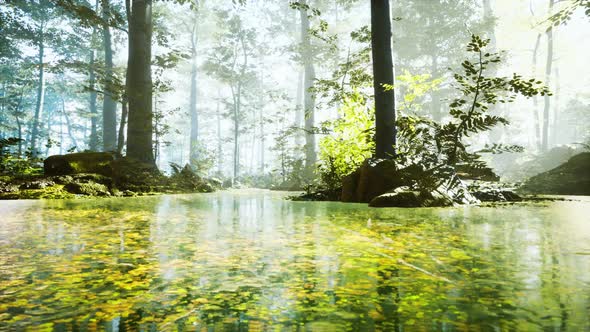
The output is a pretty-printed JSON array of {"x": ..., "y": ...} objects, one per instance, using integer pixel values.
[{"x": 253, "y": 262}]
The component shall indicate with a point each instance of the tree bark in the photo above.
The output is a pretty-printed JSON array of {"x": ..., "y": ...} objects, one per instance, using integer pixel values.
[
  {"x": 139, "y": 78},
  {"x": 194, "y": 136},
  {"x": 93, "y": 141},
  {"x": 299, "y": 110},
  {"x": 548, "y": 68},
  {"x": 535, "y": 98},
  {"x": 40, "y": 90},
  {"x": 383, "y": 75},
  {"x": 219, "y": 139},
  {"x": 122, "y": 123},
  {"x": 308, "y": 99},
  {"x": 109, "y": 106}
]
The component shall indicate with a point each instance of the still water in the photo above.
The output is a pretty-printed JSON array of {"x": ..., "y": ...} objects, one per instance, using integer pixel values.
[{"x": 252, "y": 261}]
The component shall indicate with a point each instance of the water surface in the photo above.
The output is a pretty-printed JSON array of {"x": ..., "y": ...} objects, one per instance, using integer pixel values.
[{"x": 251, "y": 261}]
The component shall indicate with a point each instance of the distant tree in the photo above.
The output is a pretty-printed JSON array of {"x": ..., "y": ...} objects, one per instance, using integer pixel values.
[{"x": 230, "y": 62}]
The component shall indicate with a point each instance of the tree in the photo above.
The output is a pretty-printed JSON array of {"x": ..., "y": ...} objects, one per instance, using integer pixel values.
[
  {"x": 230, "y": 62},
  {"x": 109, "y": 108},
  {"x": 93, "y": 142},
  {"x": 194, "y": 135},
  {"x": 547, "y": 99},
  {"x": 139, "y": 82},
  {"x": 308, "y": 98},
  {"x": 383, "y": 80}
]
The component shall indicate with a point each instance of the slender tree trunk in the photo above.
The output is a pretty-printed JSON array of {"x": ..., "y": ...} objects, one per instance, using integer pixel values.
[
  {"x": 40, "y": 90},
  {"x": 299, "y": 110},
  {"x": 121, "y": 136},
  {"x": 435, "y": 105},
  {"x": 69, "y": 124},
  {"x": 194, "y": 138},
  {"x": 93, "y": 142},
  {"x": 383, "y": 75},
  {"x": 308, "y": 99},
  {"x": 236, "y": 109},
  {"x": 61, "y": 133},
  {"x": 49, "y": 124},
  {"x": 20, "y": 134},
  {"x": 139, "y": 88},
  {"x": 535, "y": 98},
  {"x": 548, "y": 66},
  {"x": 109, "y": 106},
  {"x": 554, "y": 129},
  {"x": 219, "y": 139}
]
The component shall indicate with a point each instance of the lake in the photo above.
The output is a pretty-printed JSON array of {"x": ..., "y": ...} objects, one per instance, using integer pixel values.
[{"x": 253, "y": 261}]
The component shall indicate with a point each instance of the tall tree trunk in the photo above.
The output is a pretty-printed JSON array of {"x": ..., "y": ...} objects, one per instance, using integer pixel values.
[
  {"x": 308, "y": 99},
  {"x": 139, "y": 88},
  {"x": 109, "y": 106},
  {"x": 383, "y": 75},
  {"x": 93, "y": 142},
  {"x": 548, "y": 66},
  {"x": 69, "y": 124},
  {"x": 555, "y": 123},
  {"x": 536, "y": 98},
  {"x": 435, "y": 104},
  {"x": 20, "y": 134},
  {"x": 40, "y": 90},
  {"x": 236, "y": 108},
  {"x": 299, "y": 110},
  {"x": 219, "y": 139},
  {"x": 194, "y": 138}
]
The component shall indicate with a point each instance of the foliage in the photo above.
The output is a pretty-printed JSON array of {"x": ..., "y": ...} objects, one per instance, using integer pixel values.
[
  {"x": 564, "y": 15},
  {"x": 479, "y": 92},
  {"x": 424, "y": 139},
  {"x": 349, "y": 144},
  {"x": 12, "y": 164}
]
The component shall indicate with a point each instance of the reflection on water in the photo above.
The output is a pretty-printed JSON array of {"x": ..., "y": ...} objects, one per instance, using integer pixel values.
[{"x": 251, "y": 261}]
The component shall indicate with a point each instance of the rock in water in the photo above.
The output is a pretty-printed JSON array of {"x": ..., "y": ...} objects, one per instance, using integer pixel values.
[
  {"x": 570, "y": 178},
  {"x": 406, "y": 197}
]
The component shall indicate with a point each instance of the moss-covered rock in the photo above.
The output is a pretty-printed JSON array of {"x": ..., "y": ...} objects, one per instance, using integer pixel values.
[
  {"x": 407, "y": 197},
  {"x": 87, "y": 189},
  {"x": 76, "y": 163},
  {"x": 50, "y": 192},
  {"x": 570, "y": 178}
]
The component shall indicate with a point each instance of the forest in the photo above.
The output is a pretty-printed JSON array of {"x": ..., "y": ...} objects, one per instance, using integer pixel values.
[{"x": 281, "y": 165}]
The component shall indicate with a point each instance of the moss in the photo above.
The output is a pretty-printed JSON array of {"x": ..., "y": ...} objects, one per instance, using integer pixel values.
[
  {"x": 50, "y": 192},
  {"x": 87, "y": 188},
  {"x": 85, "y": 162}
]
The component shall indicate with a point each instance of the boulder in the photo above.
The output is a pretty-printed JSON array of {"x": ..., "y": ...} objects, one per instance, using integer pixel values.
[
  {"x": 75, "y": 163},
  {"x": 407, "y": 197},
  {"x": 36, "y": 184},
  {"x": 570, "y": 178},
  {"x": 496, "y": 195},
  {"x": 88, "y": 189}
]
